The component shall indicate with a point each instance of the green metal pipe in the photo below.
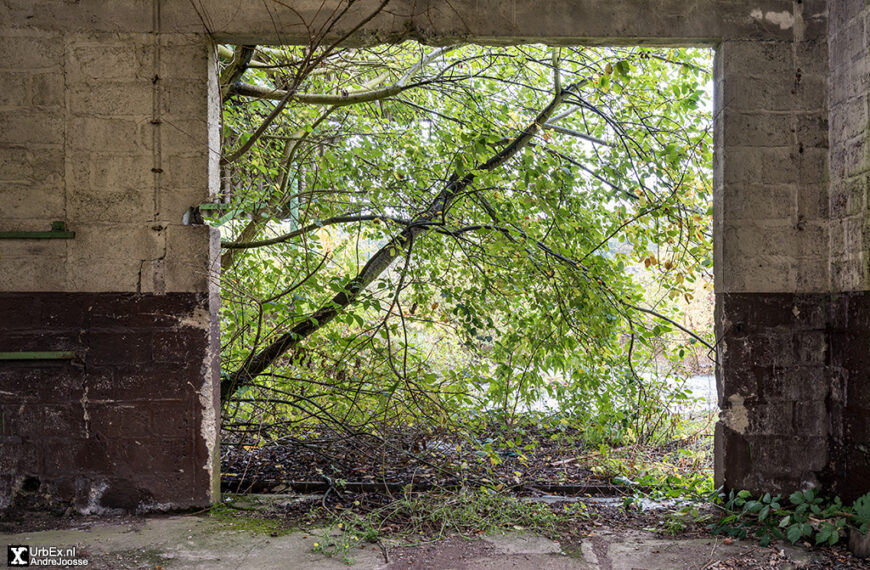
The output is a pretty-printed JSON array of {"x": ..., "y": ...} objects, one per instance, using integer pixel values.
[
  {"x": 58, "y": 231},
  {"x": 43, "y": 355}
]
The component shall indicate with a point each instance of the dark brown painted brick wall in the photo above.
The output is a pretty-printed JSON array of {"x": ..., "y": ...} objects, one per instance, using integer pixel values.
[
  {"x": 119, "y": 426},
  {"x": 850, "y": 410},
  {"x": 801, "y": 362}
]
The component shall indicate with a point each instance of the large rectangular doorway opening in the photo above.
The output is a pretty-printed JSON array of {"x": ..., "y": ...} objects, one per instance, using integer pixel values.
[{"x": 465, "y": 265}]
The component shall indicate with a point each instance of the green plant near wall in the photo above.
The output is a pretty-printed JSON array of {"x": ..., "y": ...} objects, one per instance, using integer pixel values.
[{"x": 805, "y": 516}]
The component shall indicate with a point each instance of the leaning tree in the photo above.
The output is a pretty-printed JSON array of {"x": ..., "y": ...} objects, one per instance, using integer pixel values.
[{"x": 409, "y": 230}]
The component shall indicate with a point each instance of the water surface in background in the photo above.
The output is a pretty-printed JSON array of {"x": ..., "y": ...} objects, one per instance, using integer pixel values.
[
  {"x": 701, "y": 388},
  {"x": 704, "y": 387}
]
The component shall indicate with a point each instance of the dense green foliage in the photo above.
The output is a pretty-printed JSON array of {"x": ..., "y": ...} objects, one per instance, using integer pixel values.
[
  {"x": 422, "y": 234},
  {"x": 806, "y": 516}
]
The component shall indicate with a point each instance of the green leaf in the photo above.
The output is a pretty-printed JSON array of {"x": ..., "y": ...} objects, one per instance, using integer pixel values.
[
  {"x": 823, "y": 535},
  {"x": 861, "y": 507},
  {"x": 395, "y": 158},
  {"x": 622, "y": 68},
  {"x": 793, "y": 534}
]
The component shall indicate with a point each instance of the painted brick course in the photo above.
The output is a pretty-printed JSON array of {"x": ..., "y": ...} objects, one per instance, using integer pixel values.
[{"x": 109, "y": 428}]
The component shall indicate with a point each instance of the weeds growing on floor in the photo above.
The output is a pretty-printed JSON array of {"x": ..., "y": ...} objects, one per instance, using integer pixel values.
[{"x": 417, "y": 517}]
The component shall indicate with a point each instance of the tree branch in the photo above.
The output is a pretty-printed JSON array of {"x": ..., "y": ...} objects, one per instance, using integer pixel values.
[
  {"x": 578, "y": 134},
  {"x": 385, "y": 256},
  {"x": 237, "y": 67},
  {"x": 310, "y": 228},
  {"x": 669, "y": 320},
  {"x": 364, "y": 95},
  {"x": 297, "y": 81},
  {"x": 353, "y": 97}
]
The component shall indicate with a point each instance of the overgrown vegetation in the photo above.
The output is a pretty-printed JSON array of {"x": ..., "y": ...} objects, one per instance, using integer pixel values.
[
  {"x": 805, "y": 516},
  {"x": 460, "y": 255},
  {"x": 447, "y": 238},
  {"x": 413, "y": 517},
  {"x": 476, "y": 258},
  {"x": 340, "y": 529}
]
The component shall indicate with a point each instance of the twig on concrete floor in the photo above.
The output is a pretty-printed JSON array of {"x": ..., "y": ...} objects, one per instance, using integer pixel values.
[{"x": 384, "y": 552}]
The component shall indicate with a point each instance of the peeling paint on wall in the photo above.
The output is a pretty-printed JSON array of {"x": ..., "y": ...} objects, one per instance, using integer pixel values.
[
  {"x": 784, "y": 19},
  {"x": 209, "y": 425},
  {"x": 86, "y": 416},
  {"x": 736, "y": 417},
  {"x": 200, "y": 319},
  {"x": 95, "y": 493}
]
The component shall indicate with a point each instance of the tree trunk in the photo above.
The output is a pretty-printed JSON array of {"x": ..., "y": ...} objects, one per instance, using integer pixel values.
[{"x": 381, "y": 261}]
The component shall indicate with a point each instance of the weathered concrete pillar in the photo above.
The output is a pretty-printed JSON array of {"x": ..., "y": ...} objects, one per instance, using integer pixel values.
[
  {"x": 771, "y": 264},
  {"x": 849, "y": 95},
  {"x": 115, "y": 133},
  {"x": 792, "y": 312}
]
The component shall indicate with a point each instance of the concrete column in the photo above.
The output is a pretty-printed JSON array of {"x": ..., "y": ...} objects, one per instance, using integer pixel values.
[
  {"x": 793, "y": 313},
  {"x": 849, "y": 89},
  {"x": 771, "y": 263},
  {"x": 116, "y": 134}
]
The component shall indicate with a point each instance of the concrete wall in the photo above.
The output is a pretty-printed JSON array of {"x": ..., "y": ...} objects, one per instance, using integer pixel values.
[
  {"x": 114, "y": 131},
  {"x": 850, "y": 156},
  {"x": 116, "y": 134}
]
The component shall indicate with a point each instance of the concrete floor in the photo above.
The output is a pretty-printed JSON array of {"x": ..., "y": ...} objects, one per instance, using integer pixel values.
[{"x": 199, "y": 542}]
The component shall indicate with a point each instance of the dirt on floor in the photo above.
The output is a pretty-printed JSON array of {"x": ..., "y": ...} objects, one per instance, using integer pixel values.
[
  {"x": 613, "y": 540},
  {"x": 538, "y": 457},
  {"x": 299, "y": 528}
]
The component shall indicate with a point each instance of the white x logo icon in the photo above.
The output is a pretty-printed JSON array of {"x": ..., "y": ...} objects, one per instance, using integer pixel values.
[{"x": 18, "y": 553}]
